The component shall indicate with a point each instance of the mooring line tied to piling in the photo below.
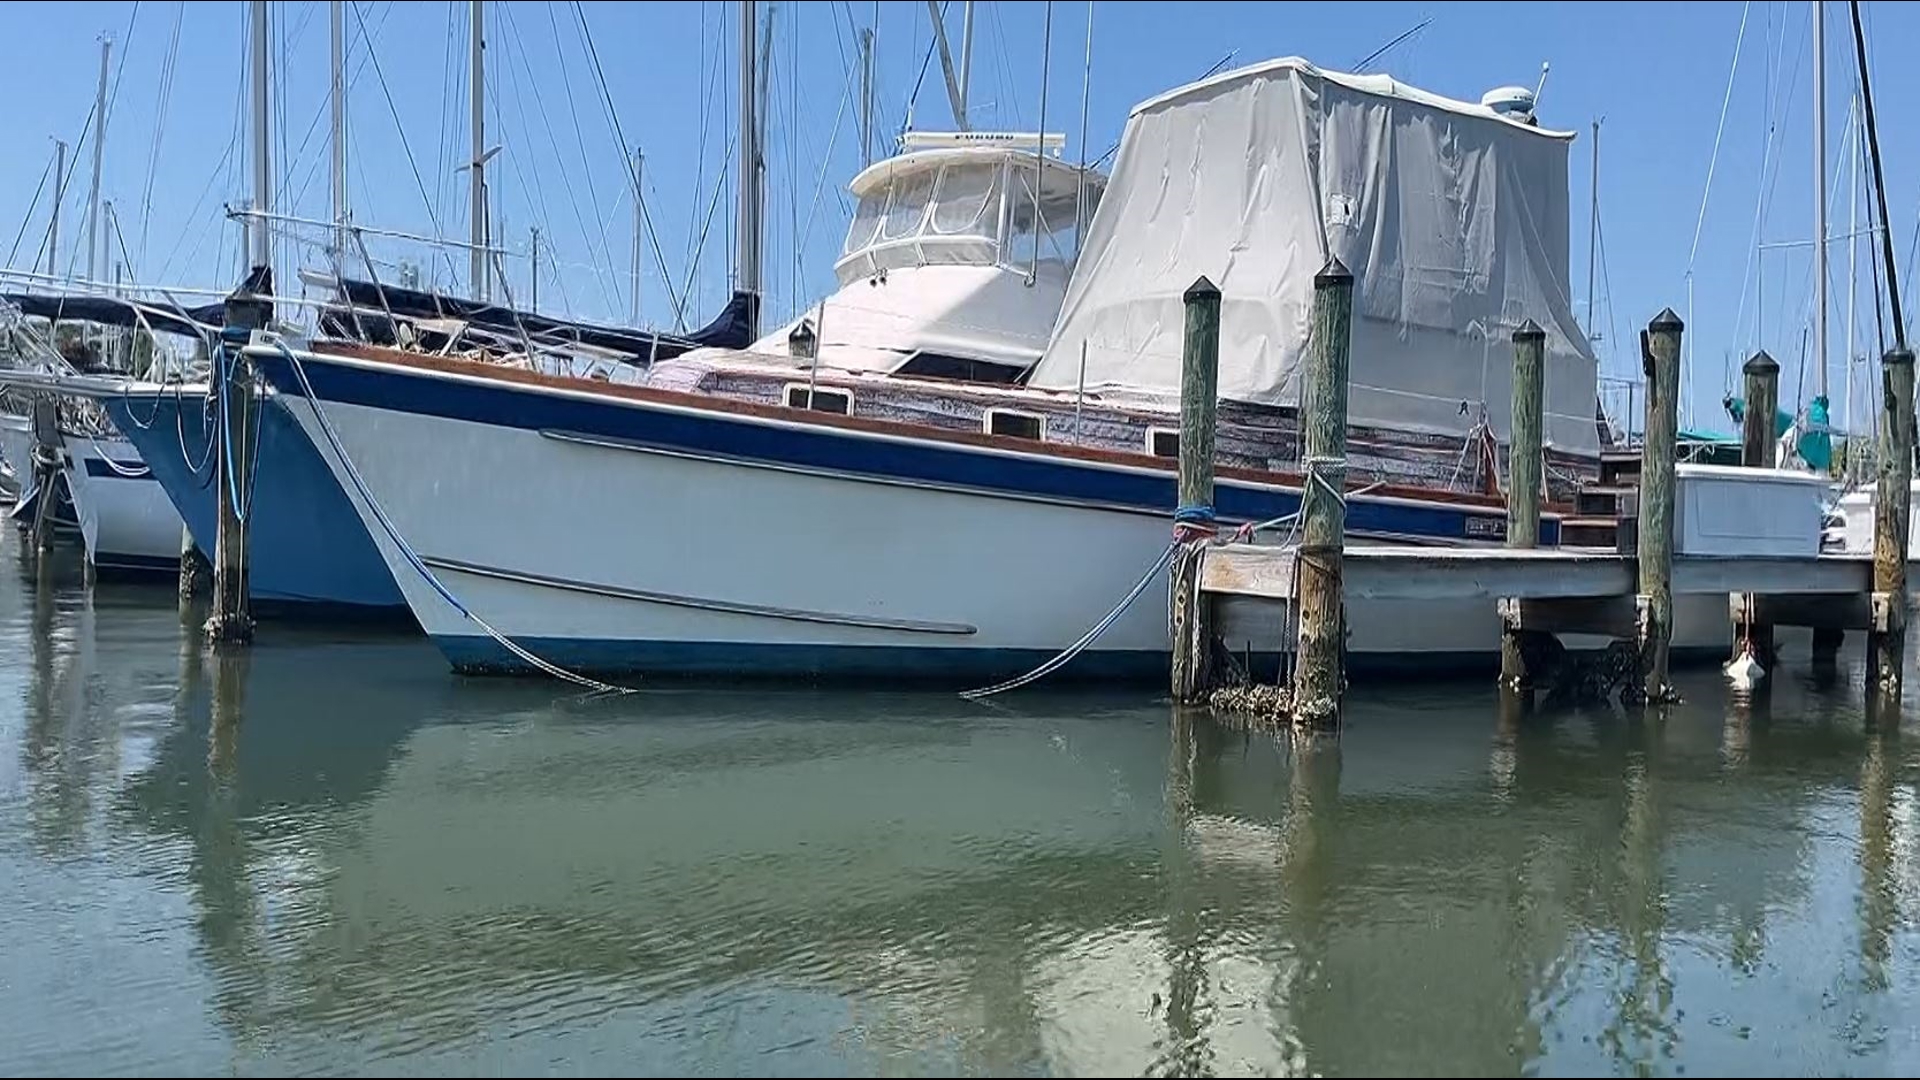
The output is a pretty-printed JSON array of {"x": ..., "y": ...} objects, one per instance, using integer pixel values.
[
  {"x": 413, "y": 557},
  {"x": 1190, "y": 524}
]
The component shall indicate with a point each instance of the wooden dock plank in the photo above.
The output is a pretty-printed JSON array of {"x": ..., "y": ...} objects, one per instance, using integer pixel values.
[{"x": 1397, "y": 572}]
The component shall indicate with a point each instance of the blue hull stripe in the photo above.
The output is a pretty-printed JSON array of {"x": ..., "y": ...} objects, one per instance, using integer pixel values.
[
  {"x": 957, "y": 668},
  {"x": 642, "y": 425},
  {"x": 137, "y": 564},
  {"x": 308, "y": 546}
]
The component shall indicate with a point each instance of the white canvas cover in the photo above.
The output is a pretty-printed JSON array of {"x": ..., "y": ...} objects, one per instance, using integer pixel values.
[{"x": 1452, "y": 219}]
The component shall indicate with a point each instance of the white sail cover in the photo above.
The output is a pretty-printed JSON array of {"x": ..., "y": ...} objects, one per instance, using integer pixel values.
[{"x": 1452, "y": 218}]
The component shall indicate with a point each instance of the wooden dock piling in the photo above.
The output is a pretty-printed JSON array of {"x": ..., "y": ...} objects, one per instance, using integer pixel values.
[
  {"x": 236, "y": 425},
  {"x": 1524, "y": 461},
  {"x": 1524, "y": 468},
  {"x": 1660, "y": 355},
  {"x": 1892, "y": 515},
  {"x": 1762, "y": 375},
  {"x": 1199, "y": 407},
  {"x": 1762, "y": 402},
  {"x": 1319, "y": 675}
]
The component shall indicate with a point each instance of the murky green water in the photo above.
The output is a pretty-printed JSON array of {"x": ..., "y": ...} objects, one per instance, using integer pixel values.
[{"x": 331, "y": 856}]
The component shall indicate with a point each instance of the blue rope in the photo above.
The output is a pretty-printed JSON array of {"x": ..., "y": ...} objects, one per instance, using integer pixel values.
[{"x": 1193, "y": 515}]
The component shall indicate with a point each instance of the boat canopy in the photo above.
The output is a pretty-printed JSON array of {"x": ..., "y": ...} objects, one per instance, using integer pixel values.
[
  {"x": 728, "y": 330},
  {"x": 161, "y": 316},
  {"x": 1452, "y": 217}
]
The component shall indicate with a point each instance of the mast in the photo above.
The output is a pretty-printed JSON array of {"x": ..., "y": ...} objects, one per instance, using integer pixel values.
[
  {"x": 534, "y": 306},
  {"x": 1040, "y": 151},
  {"x": 1080, "y": 177},
  {"x": 866, "y": 97},
  {"x": 99, "y": 147},
  {"x": 1819, "y": 202},
  {"x": 261, "y": 248},
  {"x": 966, "y": 63},
  {"x": 59, "y": 192},
  {"x": 1593, "y": 229},
  {"x": 640, "y": 164},
  {"x": 747, "y": 270},
  {"x": 1853, "y": 251},
  {"x": 336, "y": 16},
  {"x": 477, "y": 191},
  {"x": 956, "y": 97}
]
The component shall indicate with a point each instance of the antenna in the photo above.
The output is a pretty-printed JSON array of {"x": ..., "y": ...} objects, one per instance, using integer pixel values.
[
  {"x": 1545, "y": 66},
  {"x": 1382, "y": 50}
]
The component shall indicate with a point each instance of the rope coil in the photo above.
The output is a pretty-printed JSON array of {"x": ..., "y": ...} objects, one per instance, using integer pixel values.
[{"x": 1194, "y": 523}]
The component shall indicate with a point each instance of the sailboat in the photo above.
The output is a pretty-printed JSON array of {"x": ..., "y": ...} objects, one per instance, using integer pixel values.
[
  {"x": 125, "y": 521},
  {"x": 309, "y": 552},
  {"x": 687, "y": 528}
]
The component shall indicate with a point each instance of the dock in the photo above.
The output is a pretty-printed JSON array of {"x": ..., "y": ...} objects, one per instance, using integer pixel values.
[{"x": 1624, "y": 592}]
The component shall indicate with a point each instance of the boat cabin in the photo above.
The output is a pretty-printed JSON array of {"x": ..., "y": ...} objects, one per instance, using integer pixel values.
[{"x": 955, "y": 263}]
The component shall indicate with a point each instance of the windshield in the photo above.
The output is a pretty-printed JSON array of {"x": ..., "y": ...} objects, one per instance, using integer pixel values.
[
  {"x": 965, "y": 193},
  {"x": 866, "y": 220},
  {"x": 1056, "y": 235},
  {"x": 907, "y": 208}
]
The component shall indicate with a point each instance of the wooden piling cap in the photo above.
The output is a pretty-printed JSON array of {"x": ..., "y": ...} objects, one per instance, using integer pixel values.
[
  {"x": 1201, "y": 289},
  {"x": 1529, "y": 331},
  {"x": 1898, "y": 356},
  {"x": 1666, "y": 320},
  {"x": 1334, "y": 273},
  {"x": 1761, "y": 364}
]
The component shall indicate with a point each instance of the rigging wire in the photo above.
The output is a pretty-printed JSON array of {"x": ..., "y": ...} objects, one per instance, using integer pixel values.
[
  {"x": 167, "y": 70},
  {"x": 451, "y": 96},
  {"x": 826, "y": 158},
  {"x": 566, "y": 177},
  {"x": 646, "y": 218},
  {"x": 45, "y": 172},
  {"x": 925, "y": 61},
  {"x": 351, "y": 78},
  {"x": 404, "y": 145},
  {"x": 1713, "y": 161},
  {"x": 537, "y": 214},
  {"x": 221, "y": 170},
  {"x": 1770, "y": 159},
  {"x": 513, "y": 160},
  {"x": 700, "y": 154},
  {"x": 593, "y": 192},
  {"x": 1008, "y": 92}
]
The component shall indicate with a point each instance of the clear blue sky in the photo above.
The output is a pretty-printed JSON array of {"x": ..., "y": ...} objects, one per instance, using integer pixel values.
[{"x": 1658, "y": 73}]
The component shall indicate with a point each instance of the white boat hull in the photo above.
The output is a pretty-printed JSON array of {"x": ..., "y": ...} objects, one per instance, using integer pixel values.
[
  {"x": 629, "y": 553},
  {"x": 126, "y": 519}
]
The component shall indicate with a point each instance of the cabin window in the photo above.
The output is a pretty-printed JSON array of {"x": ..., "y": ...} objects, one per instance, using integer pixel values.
[
  {"x": 908, "y": 207},
  {"x": 1019, "y": 425},
  {"x": 960, "y": 207},
  {"x": 866, "y": 222},
  {"x": 1053, "y": 233},
  {"x": 819, "y": 399},
  {"x": 1163, "y": 442}
]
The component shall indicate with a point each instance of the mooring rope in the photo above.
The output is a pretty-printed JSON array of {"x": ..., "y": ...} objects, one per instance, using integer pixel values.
[
  {"x": 413, "y": 558},
  {"x": 140, "y": 473},
  {"x": 1078, "y": 647}
]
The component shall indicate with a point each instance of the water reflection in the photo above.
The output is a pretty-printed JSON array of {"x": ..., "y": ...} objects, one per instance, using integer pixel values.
[{"x": 326, "y": 854}]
